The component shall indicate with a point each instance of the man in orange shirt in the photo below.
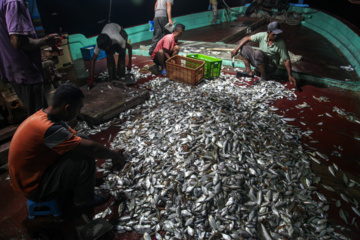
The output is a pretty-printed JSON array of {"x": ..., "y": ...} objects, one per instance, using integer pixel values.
[
  {"x": 47, "y": 159},
  {"x": 167, "y": 48}
]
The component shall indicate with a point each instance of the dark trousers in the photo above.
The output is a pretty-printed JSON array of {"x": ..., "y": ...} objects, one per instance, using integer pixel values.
[
  {"x": 72, "y": 173},
  {"x": 159, "y": 32},
  {"x": 116, "y": 73},
  {"x": 32, "y": 96},
  {"x": 258, "y": 57},
  {"x": 119, "y": 72}
]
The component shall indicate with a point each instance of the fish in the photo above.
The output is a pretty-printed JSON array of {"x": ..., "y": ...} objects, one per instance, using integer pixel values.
[
  {"x": 331, "y": 170},
  {"x": 215, "y": 158}
]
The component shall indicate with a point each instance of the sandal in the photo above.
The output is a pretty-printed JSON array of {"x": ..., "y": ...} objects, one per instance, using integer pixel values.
[
  {"x": 243, "y": 74},
  {"x": 163, "y": 72},
  {"x": 258, "y": 81}
]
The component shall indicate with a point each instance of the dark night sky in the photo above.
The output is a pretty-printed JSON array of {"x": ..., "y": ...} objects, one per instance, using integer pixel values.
[{"x": 82, "y": 16}]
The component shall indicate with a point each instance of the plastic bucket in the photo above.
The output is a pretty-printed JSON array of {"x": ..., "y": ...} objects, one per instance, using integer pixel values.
[{"x": 151, "y": 26}]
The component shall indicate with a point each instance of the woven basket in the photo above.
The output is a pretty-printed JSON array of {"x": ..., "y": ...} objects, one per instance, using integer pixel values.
[{"x": 185, "y": 70}]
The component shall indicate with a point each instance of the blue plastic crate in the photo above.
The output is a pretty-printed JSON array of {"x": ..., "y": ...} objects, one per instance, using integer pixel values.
[{"x": 88, "y": 52}]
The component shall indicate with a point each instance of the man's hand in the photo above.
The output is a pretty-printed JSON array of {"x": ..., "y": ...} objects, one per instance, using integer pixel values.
[
  {"x": 171, "y": 22},
  {"x": 233, "y": 52},
  {"x": 52, "y": 39},
  {"x": 119, "y": 161},
  {"x": 292, "y": 80}
]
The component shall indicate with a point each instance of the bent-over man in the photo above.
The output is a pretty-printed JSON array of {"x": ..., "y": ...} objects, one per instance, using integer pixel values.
[
  {"x": 113, "y": 38},
  {"x": 272, "y": 49}
]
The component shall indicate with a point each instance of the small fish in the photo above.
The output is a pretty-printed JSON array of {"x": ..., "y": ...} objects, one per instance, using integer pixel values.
[
  {"x": 328, "y": 188},
  {"x": 331, "y": 170},
  {"x": 289, "y": 119},
  {"x": 344, "y": 197},
  {"x": 327, "y": 114},
  {"x": 321, "y": 197},
  {"x": 320, "y": 123},
  {"x": 345, "y": 178},
  {"x": 212, "y": 223},
  {"x": 356, "y": 210},
  {"x": 342, "y": 215},
  {"x": 146, "y": 236},
  {"x": 315, "y": 160}
]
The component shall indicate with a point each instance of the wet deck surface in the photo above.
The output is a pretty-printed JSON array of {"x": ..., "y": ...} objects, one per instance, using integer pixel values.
[{"x": 335, "y": 134}]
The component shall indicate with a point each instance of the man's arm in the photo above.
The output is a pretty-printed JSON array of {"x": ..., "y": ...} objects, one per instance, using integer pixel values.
[
  {"x": 21, "y": 42},
  {"x": 168, "y": 10},
  {"x": 166, "y": 53},
  {"x": 129, "y": 47},
  {"x": 288, "y": 68},
  {"x": 242, "y": 42},
  {"x": 92, "y": 64},
  {"x": 155, "y": 6},
  {"x": 96, "y": 150}
]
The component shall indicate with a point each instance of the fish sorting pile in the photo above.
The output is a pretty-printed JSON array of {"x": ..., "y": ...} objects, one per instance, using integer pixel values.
[{"x": 215, "y": 161}]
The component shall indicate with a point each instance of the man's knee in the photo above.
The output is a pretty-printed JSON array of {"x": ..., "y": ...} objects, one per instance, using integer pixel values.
[
  {"x": 245, "y": 49},
  {"x": 176, "y": 48},
  {"x": 83, "y": 136},
  {"x": 160, "y": 53},
  {"x": 259, "y": 55}
]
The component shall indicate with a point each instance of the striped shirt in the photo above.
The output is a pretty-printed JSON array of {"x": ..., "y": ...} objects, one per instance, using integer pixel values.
[{"x": 35, "y": 146}]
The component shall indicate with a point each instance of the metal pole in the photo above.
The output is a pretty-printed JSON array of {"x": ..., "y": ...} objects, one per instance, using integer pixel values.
[{"x": 110, "y": 10}]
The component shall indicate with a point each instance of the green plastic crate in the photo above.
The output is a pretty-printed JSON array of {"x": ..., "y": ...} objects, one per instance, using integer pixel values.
[{"x": 212, "y": 65}]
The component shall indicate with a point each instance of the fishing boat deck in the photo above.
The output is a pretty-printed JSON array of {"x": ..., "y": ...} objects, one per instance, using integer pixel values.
[{"x": 336, "y": 133}]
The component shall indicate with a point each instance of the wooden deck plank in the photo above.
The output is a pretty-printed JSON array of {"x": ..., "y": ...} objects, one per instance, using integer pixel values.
[
  {"x": 7, "y": 132},
  {"x": 106, "y": 101}
]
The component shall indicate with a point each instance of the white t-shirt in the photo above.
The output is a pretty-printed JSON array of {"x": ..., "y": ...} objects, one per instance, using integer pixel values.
[
  {"x": 113, "y": 31},
  {"x": 161, "y": 8}
]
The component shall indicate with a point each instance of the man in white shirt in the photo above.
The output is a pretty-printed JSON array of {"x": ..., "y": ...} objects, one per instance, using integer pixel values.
[
  {"x": 113, "y": 38},
  {"x": 162, "y": 17}
]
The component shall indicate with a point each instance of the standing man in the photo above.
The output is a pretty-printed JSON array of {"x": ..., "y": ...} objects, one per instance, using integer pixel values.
[
  {"x": 162, "y": 17},
  {"x": 213, "y": 5},
  {"x": 20, "y": 56},
  {"x": 167, "y": 48},
  {"x": 47, "y": 159},
  {"x": 113, "y": 38},
  {"x": 272, "y": 49}
]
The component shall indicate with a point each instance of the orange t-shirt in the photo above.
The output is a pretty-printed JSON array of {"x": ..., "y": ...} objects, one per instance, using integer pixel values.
[{"x": 36, "y": 145}]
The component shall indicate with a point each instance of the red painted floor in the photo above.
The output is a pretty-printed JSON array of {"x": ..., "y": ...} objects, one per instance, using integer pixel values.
[{"x": 335, "y": 133}]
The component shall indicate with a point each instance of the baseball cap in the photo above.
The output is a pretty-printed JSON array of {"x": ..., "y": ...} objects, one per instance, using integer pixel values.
[{"x": 274, "y": 27}]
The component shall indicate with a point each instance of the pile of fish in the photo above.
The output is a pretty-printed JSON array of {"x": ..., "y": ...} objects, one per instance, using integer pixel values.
[{"x": 216, "y": 162}]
